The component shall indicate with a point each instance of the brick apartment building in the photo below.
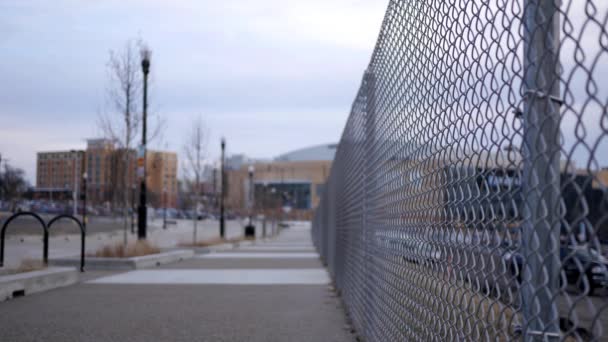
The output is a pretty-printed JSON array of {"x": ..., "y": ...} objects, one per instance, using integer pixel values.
[
  {"x": 108, "y": 168},
  {"x": 56, "y": 172}
]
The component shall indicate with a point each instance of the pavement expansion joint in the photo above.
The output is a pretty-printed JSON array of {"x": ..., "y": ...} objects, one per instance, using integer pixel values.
[
  {"x": 313, "y": 276},
  {"x": 260, "y": 255}
]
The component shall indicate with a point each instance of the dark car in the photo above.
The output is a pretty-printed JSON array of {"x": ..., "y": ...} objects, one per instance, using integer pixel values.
[
  {"x": 582, "y": 265},
  {"x": 585, "y": 267}
]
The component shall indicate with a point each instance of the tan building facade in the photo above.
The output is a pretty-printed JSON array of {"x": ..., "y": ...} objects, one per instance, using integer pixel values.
[{"x": 296, "y": 185}]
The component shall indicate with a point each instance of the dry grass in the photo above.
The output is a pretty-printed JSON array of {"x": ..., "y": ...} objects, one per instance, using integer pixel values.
[
  {"x": 139, "y": 248},
  {"x": 211, "y": 242},
  {"x": 28, "y": 265}
]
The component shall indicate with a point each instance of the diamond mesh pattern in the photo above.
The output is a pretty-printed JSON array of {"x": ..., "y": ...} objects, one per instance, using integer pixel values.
[{"x": 468, "y": 198}]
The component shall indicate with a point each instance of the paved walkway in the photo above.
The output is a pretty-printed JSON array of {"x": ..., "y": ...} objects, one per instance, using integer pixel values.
[{"x": 271, "y": 291}]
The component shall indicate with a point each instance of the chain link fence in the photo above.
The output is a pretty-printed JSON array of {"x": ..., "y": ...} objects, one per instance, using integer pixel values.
[{"x": 468, "y": 198}]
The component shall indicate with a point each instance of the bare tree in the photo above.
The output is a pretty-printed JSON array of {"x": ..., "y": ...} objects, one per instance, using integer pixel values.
[
  {"x": 121, "y": 122},
  {"x": 195, "y": 148},
  {"x": 12, "y": 184}
]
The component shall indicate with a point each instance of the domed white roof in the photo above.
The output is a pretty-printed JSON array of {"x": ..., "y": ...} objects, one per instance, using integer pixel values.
[{"x": 318, "y": 152}]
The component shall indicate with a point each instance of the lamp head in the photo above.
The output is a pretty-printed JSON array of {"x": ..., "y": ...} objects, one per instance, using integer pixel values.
[{"x": 145, "y": 59}]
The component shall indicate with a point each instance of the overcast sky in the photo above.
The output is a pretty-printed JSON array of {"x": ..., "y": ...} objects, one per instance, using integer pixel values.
[{"x": 269, "y": 75}]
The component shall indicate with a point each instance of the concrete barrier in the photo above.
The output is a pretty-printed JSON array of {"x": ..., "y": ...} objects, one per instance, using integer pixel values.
[
  {"x": 21, "y": 284},
  {"x": 133, "y": 263}
]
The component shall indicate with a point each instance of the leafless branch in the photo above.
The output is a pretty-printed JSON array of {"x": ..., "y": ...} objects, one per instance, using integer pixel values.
[{"x": 195, "y": 148}]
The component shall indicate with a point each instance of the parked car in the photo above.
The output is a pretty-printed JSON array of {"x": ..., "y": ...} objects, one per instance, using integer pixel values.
[
  {"x": 22, "y": 206},
  {"x": 92, "y": 211},
  {"x": 189, "y": 214},
  {"x": 4, "y": 206},
  {"x": 584, "y": 264},
  {"x": 172, "y": 213}
]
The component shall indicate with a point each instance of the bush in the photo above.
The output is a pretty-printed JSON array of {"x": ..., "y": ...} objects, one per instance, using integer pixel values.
[
  {"x": 27, "y": 265},
  {"x": 139, "y": 248}
]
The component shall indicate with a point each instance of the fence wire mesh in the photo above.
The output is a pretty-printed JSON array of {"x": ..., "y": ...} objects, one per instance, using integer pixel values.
[{"x": 468, "y": 197}]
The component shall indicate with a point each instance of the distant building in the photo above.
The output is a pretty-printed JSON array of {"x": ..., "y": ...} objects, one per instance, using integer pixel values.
[
  {"x": 101, "y": 170},
  {"x": 236, "y": 161},
  {"x": 56, "y": 173},
  {"x": 294, "y": 181},
  {"x": 161, "y": 169},
  {"x": 110, "y": 172}
]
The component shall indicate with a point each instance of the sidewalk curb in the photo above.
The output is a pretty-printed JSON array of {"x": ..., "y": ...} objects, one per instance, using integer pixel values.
[
  {"x": 134, "y": 263},
  {"x": 21, "y": 284}
]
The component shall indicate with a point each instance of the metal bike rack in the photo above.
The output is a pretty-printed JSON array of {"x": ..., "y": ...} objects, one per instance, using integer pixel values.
[
  {"x": 82, "y": 234},
  {"x": 45, "y": 252}
]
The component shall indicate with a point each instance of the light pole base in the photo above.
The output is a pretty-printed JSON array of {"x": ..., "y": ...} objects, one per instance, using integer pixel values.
[{"x": 142, "y": 220}]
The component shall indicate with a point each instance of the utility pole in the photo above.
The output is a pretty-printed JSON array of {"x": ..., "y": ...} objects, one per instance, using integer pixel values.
[
  {"x": 143, "y": 212},
  {"x": 222, "y": 191}
]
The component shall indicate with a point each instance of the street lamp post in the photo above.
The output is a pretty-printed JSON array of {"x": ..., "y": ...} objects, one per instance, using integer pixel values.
[
  {"x": 133, "y": 188},
  {"x": 1, "y": 179},
  {"x": 222, "y": 190},
  {"x": 250, "y": 228},
  {"x": 75, "y": 188},
  {"x": 84, "y": 200},
  {"x": 142, "y": 210},
  {"x": 165, "y": 207},
  {"x": 273, "y": 191},
  {"x": 264, "y": 208},
  {"x": 251, "y": 194},
  {"x": 214, "y": 189}
]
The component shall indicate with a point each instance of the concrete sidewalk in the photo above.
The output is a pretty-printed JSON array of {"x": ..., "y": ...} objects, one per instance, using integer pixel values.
[
  {"x": 20, "y": 247},
  {"x": 262, "y": 296}
]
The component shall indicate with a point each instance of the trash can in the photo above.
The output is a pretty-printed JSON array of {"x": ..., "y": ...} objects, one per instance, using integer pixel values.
[{"x": 249, "y": 231}]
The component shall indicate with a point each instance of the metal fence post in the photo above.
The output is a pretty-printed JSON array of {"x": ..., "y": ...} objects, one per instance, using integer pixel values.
[{"x": 541, "y": 171}]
